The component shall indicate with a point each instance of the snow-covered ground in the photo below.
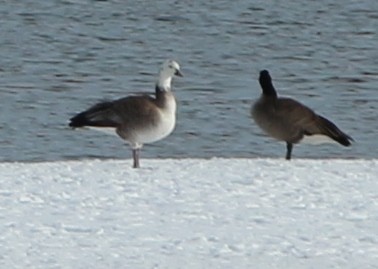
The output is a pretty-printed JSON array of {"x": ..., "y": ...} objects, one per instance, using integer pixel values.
[{"x": 191, "y": 213}]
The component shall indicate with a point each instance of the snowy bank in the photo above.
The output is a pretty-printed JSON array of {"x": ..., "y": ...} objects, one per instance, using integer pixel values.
[{"x": 193, "y": 213}]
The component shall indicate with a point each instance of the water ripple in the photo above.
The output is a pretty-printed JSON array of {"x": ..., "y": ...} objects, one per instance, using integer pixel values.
[{"x": 58, "y": 62}]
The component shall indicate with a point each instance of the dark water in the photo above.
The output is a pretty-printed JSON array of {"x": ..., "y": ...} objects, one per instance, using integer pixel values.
[{"x": 59, "y": 57}]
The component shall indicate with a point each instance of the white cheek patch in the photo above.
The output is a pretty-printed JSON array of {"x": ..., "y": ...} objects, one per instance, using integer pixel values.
[{"x": 317, "y": 139}]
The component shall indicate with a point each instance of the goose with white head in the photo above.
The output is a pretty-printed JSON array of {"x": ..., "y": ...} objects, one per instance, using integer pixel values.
[{"x": 137, "y": 119}]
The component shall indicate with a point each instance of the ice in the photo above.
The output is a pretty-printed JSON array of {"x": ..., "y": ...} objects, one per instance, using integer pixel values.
[{"x": 189, "y": 213}]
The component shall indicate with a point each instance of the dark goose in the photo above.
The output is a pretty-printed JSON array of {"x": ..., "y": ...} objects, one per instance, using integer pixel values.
[
  {"x": 288, "y": 120},
  {"x": 137, "y": 119}
]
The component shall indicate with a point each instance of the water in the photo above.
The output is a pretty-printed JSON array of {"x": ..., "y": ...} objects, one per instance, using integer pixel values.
[{"x": 59, "y": 57}]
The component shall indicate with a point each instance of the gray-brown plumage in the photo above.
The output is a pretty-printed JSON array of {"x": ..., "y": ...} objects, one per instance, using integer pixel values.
[
  {"x": 288, "y": 120},
  {"x": 137, "y": 119}
]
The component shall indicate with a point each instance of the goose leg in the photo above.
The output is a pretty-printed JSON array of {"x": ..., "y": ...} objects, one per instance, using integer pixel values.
[
  {"x": 136, "y": 157},
  {"x": 289, "y": 148}
]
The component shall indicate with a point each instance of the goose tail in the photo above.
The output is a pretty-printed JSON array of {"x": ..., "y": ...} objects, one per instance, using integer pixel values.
[
  {"x": 100, "y": 115},
  {"x": 331, "y": 130}
]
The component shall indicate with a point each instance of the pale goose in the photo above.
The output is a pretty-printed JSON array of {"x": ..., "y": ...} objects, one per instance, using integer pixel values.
[{"x": 137, "y": 119}]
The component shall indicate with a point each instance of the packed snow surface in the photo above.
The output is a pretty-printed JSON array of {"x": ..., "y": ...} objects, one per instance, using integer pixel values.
[{"x": 190, "y": 213}]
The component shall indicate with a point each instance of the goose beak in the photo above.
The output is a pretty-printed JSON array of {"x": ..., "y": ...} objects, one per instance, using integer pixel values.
[{"x": 178, "y": 73}]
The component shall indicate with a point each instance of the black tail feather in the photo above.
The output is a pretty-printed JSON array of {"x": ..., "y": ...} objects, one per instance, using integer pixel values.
[
  {"x": 331, "y": 130},
  {"x": 100, "y": 115},
  {"x": 80, "y": 120}
]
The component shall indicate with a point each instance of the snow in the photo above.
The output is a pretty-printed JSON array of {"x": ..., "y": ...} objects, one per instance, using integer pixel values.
[{"x": 189, "y": 213}]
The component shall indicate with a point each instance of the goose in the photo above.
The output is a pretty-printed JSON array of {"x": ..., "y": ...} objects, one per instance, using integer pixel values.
[
  {"x": 288, "y": 120},
  {"x": 137, "y": 119}
]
